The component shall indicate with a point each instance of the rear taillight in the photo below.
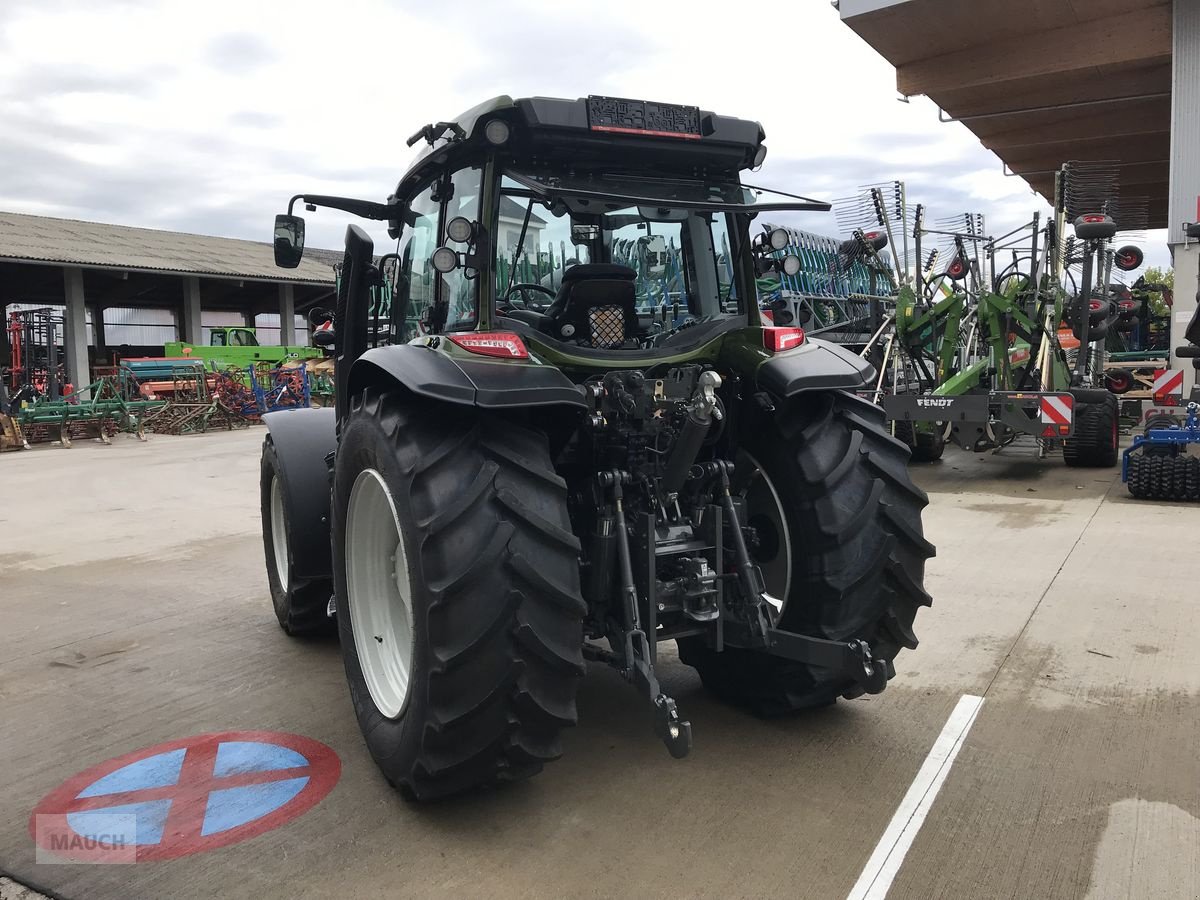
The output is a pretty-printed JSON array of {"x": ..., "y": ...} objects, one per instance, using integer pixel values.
[
  {"x": 779, "y": 339},
  {"x": 501, "y": 344}
]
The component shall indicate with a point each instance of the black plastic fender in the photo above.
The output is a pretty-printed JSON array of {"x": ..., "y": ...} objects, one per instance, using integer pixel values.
[
  {"x": 816, "y": 366},
  {"x": 302, "y": 439},
  {"x": 486, "y": 383}
]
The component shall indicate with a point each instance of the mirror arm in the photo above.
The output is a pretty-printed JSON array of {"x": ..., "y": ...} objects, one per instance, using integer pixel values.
[{"x": 367, "y": 209}]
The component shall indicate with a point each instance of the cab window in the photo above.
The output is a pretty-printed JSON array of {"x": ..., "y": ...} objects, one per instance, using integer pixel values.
[
  {"x": 415, "y": 285},
  {"x": 430, "y": 302}
]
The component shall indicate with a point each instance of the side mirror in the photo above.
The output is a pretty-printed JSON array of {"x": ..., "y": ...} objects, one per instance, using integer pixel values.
[
  {"x": 583, "y": 234},
  {"x": 289, "y": 241}
]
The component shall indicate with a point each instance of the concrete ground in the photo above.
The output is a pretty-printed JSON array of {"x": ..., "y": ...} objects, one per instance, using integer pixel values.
[{"x": 135, "y": 611}]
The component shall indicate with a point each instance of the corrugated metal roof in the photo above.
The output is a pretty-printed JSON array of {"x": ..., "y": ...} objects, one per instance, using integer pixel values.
[{"x": 95, "y": 245}]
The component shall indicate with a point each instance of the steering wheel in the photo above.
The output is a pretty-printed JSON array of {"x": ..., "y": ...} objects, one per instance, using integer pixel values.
[{"x": 524, "y": 303}]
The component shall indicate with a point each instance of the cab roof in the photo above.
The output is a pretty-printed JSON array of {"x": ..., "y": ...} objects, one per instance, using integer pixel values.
[{"x": 615, "y": 133}]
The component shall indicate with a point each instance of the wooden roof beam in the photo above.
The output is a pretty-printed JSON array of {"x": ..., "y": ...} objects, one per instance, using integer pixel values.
[
  {"x": 1137, "y": 37},
  {"x": 1148, "y": 117}
]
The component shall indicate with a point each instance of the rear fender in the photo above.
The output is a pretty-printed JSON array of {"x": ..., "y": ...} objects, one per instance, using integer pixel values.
[
  {"x": 485, "y": 383},
  {"x": 303, "y": 438},
  {"x": 816, "y": 366}
]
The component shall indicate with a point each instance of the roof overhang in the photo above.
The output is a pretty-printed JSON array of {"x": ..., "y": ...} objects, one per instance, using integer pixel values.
[{"x": 1040, "y": 83}]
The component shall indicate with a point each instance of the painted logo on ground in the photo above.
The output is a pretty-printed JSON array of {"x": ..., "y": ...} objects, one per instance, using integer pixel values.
[{"x": 184, "y": 797}]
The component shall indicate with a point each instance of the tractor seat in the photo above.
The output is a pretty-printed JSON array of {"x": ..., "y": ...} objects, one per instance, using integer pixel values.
[{"x": 595, "y": 307}]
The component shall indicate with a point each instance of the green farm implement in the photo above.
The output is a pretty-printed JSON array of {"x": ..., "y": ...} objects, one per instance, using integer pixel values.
[
  {"x": 980, "y": 355},
  {"x": 100, "y": 410}
]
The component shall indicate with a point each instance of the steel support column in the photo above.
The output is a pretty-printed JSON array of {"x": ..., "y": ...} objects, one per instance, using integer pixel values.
[
  {"x": 99, "y": 337},
  {"x": 75, "y": 327},
  {"x": 190, "y": 321},
  {"x": 1185, "y": 171},
  {"x": 287, "y": 315}
]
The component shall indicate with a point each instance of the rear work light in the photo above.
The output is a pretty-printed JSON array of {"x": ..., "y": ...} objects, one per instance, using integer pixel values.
[
  {"x": 779, "y": 339},
  {"x": 501, "y": 344}
]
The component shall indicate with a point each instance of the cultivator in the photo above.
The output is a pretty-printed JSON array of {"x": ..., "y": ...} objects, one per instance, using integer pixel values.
[
  {"x": 1158, "y": 466},
  {"x": 100, "y": 410},
  {"x": 203, "y": 400},
  {"x": 1164, "y": 463}
]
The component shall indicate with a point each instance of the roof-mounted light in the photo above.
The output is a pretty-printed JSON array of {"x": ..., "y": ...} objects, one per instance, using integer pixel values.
[
  {"x": 497, "y": 132},
  {"x": 460, "y": 230},
  {"x": 760, "y": 155}
]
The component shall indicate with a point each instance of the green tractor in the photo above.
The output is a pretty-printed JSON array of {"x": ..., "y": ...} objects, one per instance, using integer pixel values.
[
  {"x": 237, "y": 346},
  {"x": 580, "y": 467}
]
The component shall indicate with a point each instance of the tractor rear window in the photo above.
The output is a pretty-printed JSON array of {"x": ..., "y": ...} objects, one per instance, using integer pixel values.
[{"x": 682, "y": 258}]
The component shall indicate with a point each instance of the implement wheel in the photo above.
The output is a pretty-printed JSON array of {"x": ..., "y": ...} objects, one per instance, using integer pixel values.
[
  {"x": 1096, "y": 437},
  {"x": 840, "y": 544},
  {"x": 457, "y": 578},
  {"x": 925, "y": 444}
]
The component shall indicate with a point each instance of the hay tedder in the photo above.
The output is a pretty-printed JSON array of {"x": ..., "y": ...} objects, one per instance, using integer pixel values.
[{"x": 981, "y": 353}]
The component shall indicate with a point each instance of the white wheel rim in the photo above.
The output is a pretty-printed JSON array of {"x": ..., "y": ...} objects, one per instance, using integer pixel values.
[
  {"x": 279, "y": 536},
  {"x": 763, "y": 499},
  {"x": 379, "y": 593}
]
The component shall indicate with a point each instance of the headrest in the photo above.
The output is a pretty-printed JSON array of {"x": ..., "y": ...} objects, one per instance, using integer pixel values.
[{"x": 598, "y": 270}]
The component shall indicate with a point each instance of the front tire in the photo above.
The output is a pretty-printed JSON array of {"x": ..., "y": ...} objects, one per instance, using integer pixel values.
[
  {"x": 300, "y": 604},
  {"x": 486, "y": 594},
  {"x": 854, "y": 552}
]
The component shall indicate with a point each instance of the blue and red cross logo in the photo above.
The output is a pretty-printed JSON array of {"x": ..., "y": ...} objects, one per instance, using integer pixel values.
[{"x": 184, "y": 796}]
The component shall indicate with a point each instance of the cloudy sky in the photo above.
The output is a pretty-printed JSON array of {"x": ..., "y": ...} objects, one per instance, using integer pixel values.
[{"x": 206, "y": 115}]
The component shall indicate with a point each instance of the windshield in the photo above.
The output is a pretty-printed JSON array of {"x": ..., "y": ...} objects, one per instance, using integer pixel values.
[
  {"x": 680, "y": 192},
  {"x": 680, "y": 258}
]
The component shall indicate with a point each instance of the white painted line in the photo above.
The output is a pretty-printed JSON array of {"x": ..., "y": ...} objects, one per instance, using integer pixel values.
[{"x": 877, "y": 876}]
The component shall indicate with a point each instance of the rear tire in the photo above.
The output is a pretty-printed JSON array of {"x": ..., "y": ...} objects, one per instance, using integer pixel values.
[
  {"x": 492, "y": 569},
  {"x": 856, "y": 549},
  {"x": 1095, "y": 441},
  {"x": 301, "y": 604}
]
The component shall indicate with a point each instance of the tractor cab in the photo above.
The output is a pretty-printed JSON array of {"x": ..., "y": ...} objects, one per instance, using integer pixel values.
[
  {"x": 586, "y": 228},
  {"x": 233, "y": 337}
]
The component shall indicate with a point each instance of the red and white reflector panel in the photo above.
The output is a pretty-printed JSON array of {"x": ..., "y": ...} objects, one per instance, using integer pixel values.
[
  {"x": 1057, "y": 409},
  {"x": 779, "y": 339},
  {"x": 1167, "y": 382},
  {"x": 501, "y": 344}
]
